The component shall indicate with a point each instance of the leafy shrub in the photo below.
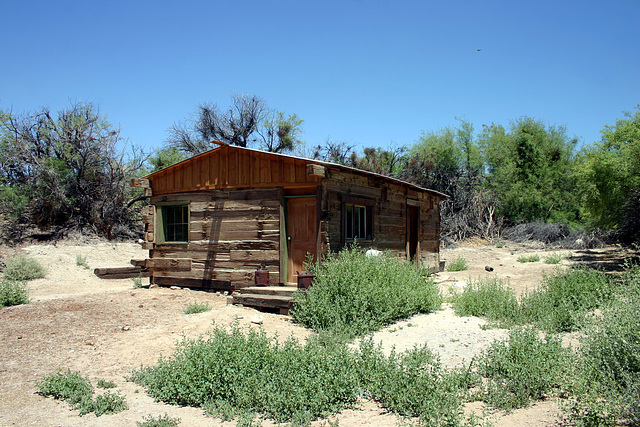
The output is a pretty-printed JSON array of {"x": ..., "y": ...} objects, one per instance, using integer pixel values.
[
  {"x": 22, "y": 268},
  {"x": 162, "y": 421},
  {"x": 81, "y": 261},
  {"x": 353, "y": 294},
  {"x": 76, "y": 390},
  {"x": 69, "y": 386},
  {"x": 13, "y": 292},
  {"x": 196, "y": 307},
  {"x": 105, "y": 384},
  {"x": 413, "y": 384},
  {"x": 491, "y": 298},
  {"x": 521, "y": 368},
  {"x": 530, "y": 258},
  {"x": 233, "y": 374},
  {"x": 460, "y": 264},
  {"x": 499, "y": 244},
  {"x": 253, "y": 372},
  {"x": 553, "y": 258},
  {"x": 137, "y": 282},
  {"x": 564, "y": 299},
  {"x": 611, "y": 362}
]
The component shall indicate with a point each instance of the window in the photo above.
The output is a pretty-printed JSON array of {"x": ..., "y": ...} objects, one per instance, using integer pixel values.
[
  {"x": 174, "y": 223},
  {"x": 358, "y": 222}
]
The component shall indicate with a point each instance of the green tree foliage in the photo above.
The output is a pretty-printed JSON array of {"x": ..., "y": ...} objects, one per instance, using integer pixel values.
[
  {"x": 64, "y": 170},
  {"x": 609, "y": 176},
  {"x": 248, "y": 121},
  {"x": 163, "y": 158},
  {"x": 530, "y": 168}
]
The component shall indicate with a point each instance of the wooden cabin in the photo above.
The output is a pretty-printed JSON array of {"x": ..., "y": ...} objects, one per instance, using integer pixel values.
[{"x": 216, "y": 218}]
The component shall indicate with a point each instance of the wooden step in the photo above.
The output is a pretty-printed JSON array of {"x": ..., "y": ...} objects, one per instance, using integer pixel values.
[{"x": 267, "y": 297}]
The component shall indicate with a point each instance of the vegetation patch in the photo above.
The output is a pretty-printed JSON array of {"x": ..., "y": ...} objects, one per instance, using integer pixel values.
[
  {"x": 81, "y": 261},
  {"x": 21, "y": 268},
  {"x": 77, "y": 391},
  {"x": 491, "y": 298},
  {"x": 529, "y": 258},
  {"x": 522, "y": 368},
  {"x": 162, "y": 421},
  {"x": 196, "y": 307},
  {"x": 353, "y": 294},
  {"x": 13, "y": 292},
  {"x": 565, "y": 299},
  {"x": 234, "y": 374},
  {"x": 553, "y": 258},
  {"x": 460, "y": 264}
]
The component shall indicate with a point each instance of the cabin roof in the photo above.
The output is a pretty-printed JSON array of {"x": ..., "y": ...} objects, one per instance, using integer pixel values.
[{"x": 329, "y": 165}]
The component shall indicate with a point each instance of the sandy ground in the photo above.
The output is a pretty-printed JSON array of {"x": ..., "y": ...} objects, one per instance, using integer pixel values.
[{"x": 106, "y": 328}]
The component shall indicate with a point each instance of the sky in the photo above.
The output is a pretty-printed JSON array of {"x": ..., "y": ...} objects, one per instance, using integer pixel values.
[{"x": 367, "y": 73}]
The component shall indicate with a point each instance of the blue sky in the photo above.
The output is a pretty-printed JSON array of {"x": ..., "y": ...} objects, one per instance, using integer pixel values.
[{"x": 368, "y": 73}]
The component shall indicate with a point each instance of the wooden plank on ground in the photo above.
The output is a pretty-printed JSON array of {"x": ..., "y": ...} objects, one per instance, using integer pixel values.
[{"x": 121, "y": 272}]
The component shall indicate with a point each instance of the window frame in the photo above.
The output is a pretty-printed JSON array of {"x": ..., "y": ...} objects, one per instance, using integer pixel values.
[
  {"x": 161, "y": 225},
  {"x": 363, "y": 206}
]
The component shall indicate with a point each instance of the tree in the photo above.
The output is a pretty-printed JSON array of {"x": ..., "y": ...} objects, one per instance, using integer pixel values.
[
  {"x": 609, "y": 176},
  {"x": 247, "y": 122},
  {"x": 530, "y": 171},
  {"x": 65, "y": 170}
]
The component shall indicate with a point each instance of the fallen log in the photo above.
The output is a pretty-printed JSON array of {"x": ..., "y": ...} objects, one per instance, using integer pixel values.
[{"x": 121, "y": 272}]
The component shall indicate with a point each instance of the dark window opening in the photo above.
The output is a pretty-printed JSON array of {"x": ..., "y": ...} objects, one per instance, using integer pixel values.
[
  {"x": 358, "y": 222},
  {"x": 175, "y": 223}
]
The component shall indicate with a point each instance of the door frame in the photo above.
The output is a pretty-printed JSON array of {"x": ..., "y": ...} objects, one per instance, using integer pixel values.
[{"x": 284, "y": 241}]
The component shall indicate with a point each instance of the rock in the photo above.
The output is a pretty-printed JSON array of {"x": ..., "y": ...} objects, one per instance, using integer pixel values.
[
  {"x": 488, "y": 268},
  {"x": 257, "y": 319},
  {"x": 175, "y": 288}
]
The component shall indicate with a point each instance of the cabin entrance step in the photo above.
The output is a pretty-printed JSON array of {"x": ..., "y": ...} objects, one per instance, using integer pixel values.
[{"x": 265, "y": 297}]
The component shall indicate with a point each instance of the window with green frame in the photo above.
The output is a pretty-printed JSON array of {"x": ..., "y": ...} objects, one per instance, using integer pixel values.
[
  {"x": 174, "y": 223},
  {"x": 358, "y": 222}
]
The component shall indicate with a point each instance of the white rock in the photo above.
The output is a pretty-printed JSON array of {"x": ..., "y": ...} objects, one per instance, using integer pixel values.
[{"x": 257, "y": 319}]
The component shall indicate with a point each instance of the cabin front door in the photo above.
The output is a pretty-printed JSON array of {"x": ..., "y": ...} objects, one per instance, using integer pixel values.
[{"x": 302, "y": 232}]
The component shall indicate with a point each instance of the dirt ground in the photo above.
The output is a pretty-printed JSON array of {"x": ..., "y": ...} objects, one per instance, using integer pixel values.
[{"x": 106, "y": 328}]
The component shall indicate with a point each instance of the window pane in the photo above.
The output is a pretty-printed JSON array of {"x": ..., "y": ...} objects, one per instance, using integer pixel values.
[{"x": 348, "y": 222}]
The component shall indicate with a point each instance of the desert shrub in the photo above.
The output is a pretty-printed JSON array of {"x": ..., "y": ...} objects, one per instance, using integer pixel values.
[
  {"x": 460, "y": 264},
  {"x": 254, "y": 373},
  {"x": 609, "y": 386},
  {"x": 196, "y": 307},
  {"x": 13, "y": 292},
  {"x": 521, "y": 368},
  {"x": 529, "y": 258},
  {"x": 81, "y": 261},
  {"x": 137, "y": 282},
  {"x": 23, "y": 268},
  {"x": 76, "y": 390},
  {"x": 565, "y": 298},
  {"x": 107, "y": 403},
  {"x": 353, "y": 294},
  {"x": 553, "y": 258},
  {"x": 105, "y": 384},
  {"x": 413, "y": 384},
  {"x": 234, "y": 374},
  {"x": 162, "y": 421},
  {"x": 491, "y": 298},
  {"x": 69, "y": 386}
]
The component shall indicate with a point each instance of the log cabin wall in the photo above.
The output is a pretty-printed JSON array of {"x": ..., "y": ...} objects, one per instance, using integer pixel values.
[
  {"x": 231, "y": 233},
  {"x": 390, "y": 200}
]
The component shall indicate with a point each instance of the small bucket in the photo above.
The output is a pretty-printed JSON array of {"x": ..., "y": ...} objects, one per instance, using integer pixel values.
[
  {"x": 262, "y": 277},
  {"x": 304, "y": 280}
]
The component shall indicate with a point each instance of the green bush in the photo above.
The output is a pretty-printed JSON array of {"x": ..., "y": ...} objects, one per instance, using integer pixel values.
[
  {"x": 162, "y": 421},
  {"x": 353, "y": 294},
  {"x": 69, "y": 386},
  {"x": 413, "y": 384},
  {"x": 81, "y": 261},
  {"x": 233, "y": 374},
  {"x": 105, "y": 384},
  {"x": 460, "y": 264},
  {"x": 521, "y": 368},
  {"x": 530, "y": 258},
  {"x": 22, "y": 268},
  {"x": 13, "y": 292},
  {"x": 553, "y": 258},
  {"x": 490, "y": 298},
  {"x": 76, "y": 390},
  {"x": 609, "y": 389},
  {"x": 196, "y": 307},
  {"x": 566, "y": 298}
]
